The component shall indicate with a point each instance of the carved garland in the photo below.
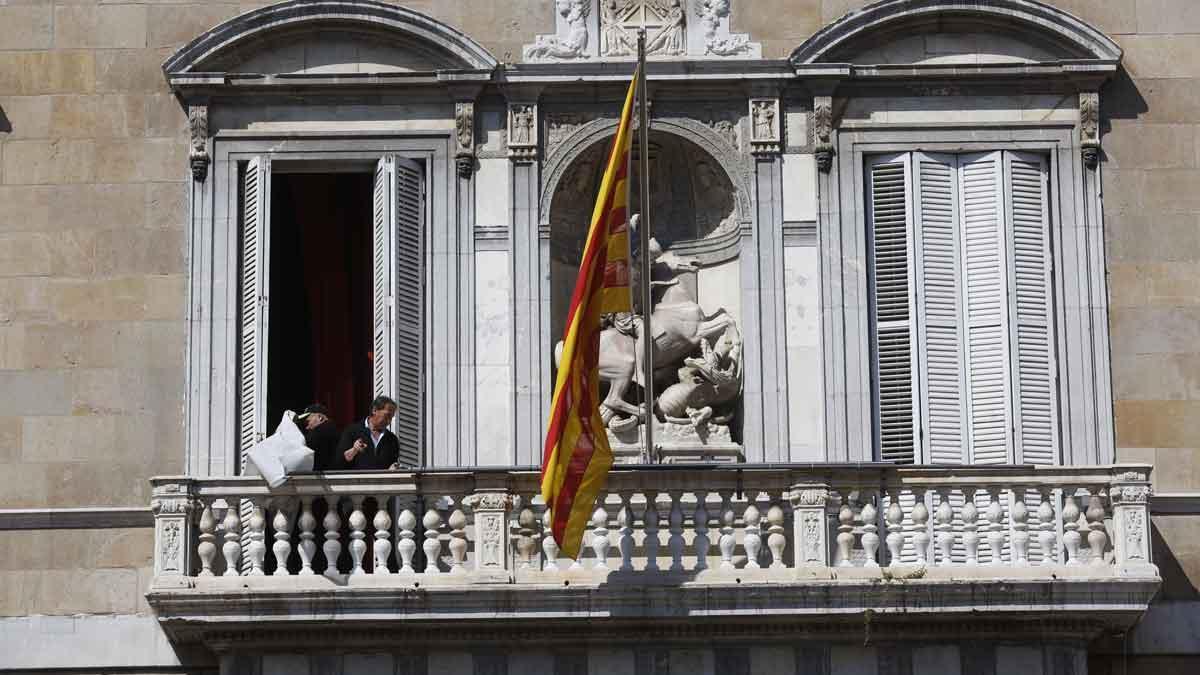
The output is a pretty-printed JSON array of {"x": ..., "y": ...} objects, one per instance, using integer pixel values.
[
  {"x": 1089, "y": 128},
  {"x": 717, "y": 145},
  {"x": 823, "y": 131},
  {"x": 198, "y": 146},
  {"x": 464, "y": 138}
]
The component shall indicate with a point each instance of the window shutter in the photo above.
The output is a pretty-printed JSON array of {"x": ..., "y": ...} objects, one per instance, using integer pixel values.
[
  {"x": 256, "y": 220},
  {"x": 984, "y": 281},
  {"x": 889, "y": 230},
  {"x": 399, "y": 272},
  {"x": 1035, "y": 391},
  {"x": 939, "y": 308}
]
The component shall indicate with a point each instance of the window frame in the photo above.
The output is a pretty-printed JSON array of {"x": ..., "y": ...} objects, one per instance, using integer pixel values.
[
  {"x": 214, "y": 291},
  {"x": 1080, "y": 292}
]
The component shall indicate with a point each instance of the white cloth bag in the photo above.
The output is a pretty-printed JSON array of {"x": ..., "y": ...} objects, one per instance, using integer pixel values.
[{"x": 281, "y": 453}]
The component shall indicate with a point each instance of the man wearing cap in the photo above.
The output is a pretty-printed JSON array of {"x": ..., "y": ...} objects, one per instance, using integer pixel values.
[{"x": 320, "y": 435}]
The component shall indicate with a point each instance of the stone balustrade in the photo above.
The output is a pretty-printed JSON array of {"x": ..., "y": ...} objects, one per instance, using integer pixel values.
[{"x": 725, "y": 524}]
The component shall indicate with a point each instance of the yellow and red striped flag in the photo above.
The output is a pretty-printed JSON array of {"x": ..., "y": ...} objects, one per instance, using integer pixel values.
[{"x": 576, "y": 458}]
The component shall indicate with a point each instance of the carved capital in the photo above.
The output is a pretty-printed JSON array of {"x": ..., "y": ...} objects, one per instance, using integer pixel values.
[
  {"x": 523, "y": 131},
  {"x": 170, "y": 499},
  {"x": 1130, "y": 494},
  {"x": 810, "y": 496},
  {"x": 1089, "y": 127},
  {"x": 765, "y": 123},
  {"x": 823, "y": 131},
  {"x": 198, "y": 146},
  {"x": 490, "y": 501}
]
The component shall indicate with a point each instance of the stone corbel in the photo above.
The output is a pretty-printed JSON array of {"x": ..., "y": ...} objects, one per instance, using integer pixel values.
[
  {"x": 765, "y": 126},
  {"x": 198, "y": 155},
  {"x": 823, "y": 131},
  {"x": 464, "y": 138},
  {"x": 1089, "y": 127},
  {"x": 523, "y": 131},
  {"x": 809, "y": 525},
  {"x": 492, "y": 545},
  {"x": 171, "y": 502}
]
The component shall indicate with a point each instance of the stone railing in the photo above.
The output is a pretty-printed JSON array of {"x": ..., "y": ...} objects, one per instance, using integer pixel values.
[{"x": 712, "y": 524}]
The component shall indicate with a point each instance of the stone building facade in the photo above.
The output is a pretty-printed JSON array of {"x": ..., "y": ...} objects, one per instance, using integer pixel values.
[{"x": 959, "y": 237}]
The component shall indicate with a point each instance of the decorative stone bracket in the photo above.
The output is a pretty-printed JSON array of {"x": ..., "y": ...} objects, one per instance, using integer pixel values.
[
  {"x": 823, "y": 131},
  {"x": 198, "y": 155},
  {"x": 464, "y": 138},
  {"x": 1089, "y": 127}
]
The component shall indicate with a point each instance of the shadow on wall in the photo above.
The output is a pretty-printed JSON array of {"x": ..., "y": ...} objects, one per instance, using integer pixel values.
[
  {"x": 5, "y": 123},
  {"x": 1176, "y": 584},
  {"x": 1120, "y": 99}
]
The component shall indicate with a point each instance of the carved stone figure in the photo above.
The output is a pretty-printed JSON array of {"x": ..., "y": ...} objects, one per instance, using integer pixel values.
[
  {"x": 574, "y": 44},
  {"x": 614, "y": 41},
  {"x": 198, "y": 147},
  {"x": 522, "y": 125},
  {"x": 669, "y": 37},
  {"x": 712, "y": 13},
  {"x": 764, "y": 121},
  {"x": 706, "y": 384}
]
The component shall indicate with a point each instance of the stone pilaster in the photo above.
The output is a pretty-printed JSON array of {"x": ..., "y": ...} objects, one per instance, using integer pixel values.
[
  {"x": 1129, "y": 493},
  {"x": 172, "y": 504},
  {"x": 492, "y": 540},
  {"x": 810, "y": 531}
]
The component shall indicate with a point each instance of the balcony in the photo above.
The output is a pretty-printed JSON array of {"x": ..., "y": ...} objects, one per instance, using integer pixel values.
[{"x": 829, "y": 548}]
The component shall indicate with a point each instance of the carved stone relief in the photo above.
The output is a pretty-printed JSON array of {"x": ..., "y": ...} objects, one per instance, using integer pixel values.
[
  {"x": 522, "y": 131},
  {"x": 1089, "y": 127},
  {"x": 198, "y": 146},
  {"x": 607, "y": 29},
  {"x": 823, "y": 131},
  {"x": 464, "y": 137},
  {"x": 764, "y": 125}
]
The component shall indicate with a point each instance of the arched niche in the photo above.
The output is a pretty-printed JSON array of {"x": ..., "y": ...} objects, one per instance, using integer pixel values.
[
  {"x": 962, "y": 31},
  {"x": 330, "y": 37}
]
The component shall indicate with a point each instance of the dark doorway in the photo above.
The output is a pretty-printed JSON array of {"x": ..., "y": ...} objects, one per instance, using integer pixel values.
[{"x": 320, "y": 338}]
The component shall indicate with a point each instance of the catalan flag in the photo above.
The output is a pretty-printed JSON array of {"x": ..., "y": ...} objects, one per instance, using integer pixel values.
[{"x": 576, "y": 458}]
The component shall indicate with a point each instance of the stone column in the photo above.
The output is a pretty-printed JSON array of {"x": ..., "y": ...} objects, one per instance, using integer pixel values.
[
  {"x": 1129, "y": 493},
  {"x": 810, "y": 532},
  {"x": 531, "y": 373},
  {"x": 172, "y": 503}
]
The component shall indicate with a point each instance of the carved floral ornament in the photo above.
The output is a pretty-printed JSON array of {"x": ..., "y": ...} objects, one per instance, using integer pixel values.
[{"x": 607, "y": 29}]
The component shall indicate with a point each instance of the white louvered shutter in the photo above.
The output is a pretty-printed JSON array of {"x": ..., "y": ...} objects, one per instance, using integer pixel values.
[
  {"x": 939, "y": 318},
  {"x": 255, "y": 282},
  {"x": 984, "y": 281},
  {"x": 889, "y": 233},
  {"x": 398, "y": 279},
  {"x": 1034, "y": 383}
]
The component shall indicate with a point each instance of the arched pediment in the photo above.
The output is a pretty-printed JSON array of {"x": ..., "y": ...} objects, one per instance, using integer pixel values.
[
  {"x": 956, "y": 31},
  {"x": 330, "y": 36}
]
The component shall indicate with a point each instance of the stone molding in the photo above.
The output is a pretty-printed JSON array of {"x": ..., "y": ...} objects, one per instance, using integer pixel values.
[
  {"x": 83, "y": 518},
  {"x": 407, "y": 26},
  {"x": 1063, "y": 28},
  {"x": 706, "y": 137}
]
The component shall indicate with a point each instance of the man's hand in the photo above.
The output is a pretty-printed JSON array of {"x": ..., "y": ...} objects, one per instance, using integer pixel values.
[{"x": 352, "y": 452}]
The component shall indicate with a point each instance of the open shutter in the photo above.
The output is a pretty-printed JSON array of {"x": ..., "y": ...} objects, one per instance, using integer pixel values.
[
  {"x": 889, "y": 228},
  {"x": 939, "y": 304},
  {"x": 986, "y": 306},
  {"x": 1034, "y": 390},
  {"x": 398, "y": 279},
  {"x": 255, "y": 280}
]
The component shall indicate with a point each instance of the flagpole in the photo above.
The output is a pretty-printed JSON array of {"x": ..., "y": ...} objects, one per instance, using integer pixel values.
[{"x": 644, "y": 245}]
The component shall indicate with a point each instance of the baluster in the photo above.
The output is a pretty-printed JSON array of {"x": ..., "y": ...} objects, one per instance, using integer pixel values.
[
  {"x": 625, "y": 522},
  {"x": 307, "y": 547},
  {"x": 232, "y": 549},
  {"x": 600, "y": 543},
  {"x": 383, "y": 534},
  {"x": 1047, "y": 533},
  {"x": 549, "y": 545},
  {"x": 921, "y": 538},
  {"x": 282, "y": 547},
  {"x": 970, "y": 517},
  {"x": 1071, "y": 536},
  {"x": 650, "y": 519},
  {"x": 432, "y": 546},
  {"x": 701, "y": 543},
  {"x": 845, "y": 537},
  {"x": 1097, "y": 537},
  {"x": 1020, "y": 534},
  {"x": 727, "y": 541},
  {"x": 358, "y": 536},
  {"x": 870, "y": 536},
  {"x": 332, "y": 548},
  {"x": 526, "y": 544},
  {"x": 207, "y": 548},
  {"x": 945, "y": 527},
  {"x": 776, "y": 541},
  {"x": 995, "y": 533},
  {"x": 258, "y": 535},
  {"x": 675, "y": 520},
  {"x": 753, "y": 541},
  {"x": 458, "y": 541},
  {"x": 895, "y": 528},
  {"x": 406, "y": 545}
]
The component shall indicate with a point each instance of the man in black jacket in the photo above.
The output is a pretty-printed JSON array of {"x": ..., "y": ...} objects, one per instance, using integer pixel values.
[
  {"x": 320, "y": 435},
  {"x": 368, "y": 445}
]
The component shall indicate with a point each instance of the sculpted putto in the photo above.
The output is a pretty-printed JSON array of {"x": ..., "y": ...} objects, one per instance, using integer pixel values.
[{"x": 570, "y": 46}]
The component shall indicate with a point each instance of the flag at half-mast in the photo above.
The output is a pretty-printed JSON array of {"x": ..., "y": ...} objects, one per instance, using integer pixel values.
[{"x": 576, "y": 457}]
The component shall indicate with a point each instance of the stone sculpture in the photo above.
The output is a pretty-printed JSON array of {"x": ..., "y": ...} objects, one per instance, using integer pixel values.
[
  {"x": 574, "y": 44},
  {"x": 712, "y": 13}
]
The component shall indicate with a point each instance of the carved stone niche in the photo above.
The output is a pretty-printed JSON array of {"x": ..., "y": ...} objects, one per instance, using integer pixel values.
[
  {"x": 607, "y": 29},
  {"x": 697, "y": 301}
]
